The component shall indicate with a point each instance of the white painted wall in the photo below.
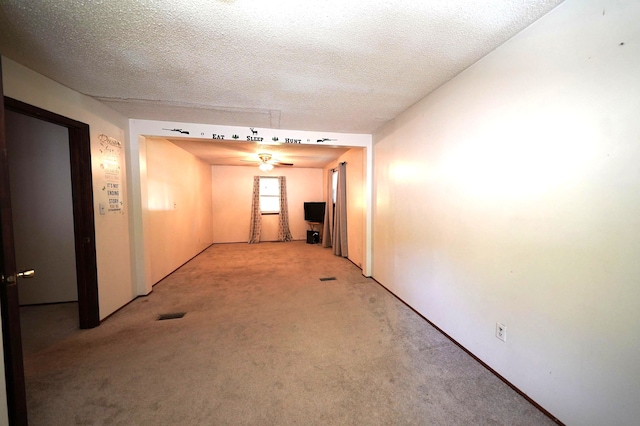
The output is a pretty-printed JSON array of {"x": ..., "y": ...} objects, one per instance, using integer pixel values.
[
  {"x": 512, "y": 194},
  {"x": 112, "y": 230},
  {"x": 356, "y": 201},
  {"x": 179, "y": 207},
  {"x": 232, "y": 188},
  {"x": 42, "y": 208}
]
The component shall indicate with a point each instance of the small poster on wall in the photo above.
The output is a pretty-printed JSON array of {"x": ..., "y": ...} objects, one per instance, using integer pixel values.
[{"x": 110, "y": 149}]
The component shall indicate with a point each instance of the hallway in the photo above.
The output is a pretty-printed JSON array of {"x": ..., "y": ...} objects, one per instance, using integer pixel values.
[{"x": 265, "y": 341}]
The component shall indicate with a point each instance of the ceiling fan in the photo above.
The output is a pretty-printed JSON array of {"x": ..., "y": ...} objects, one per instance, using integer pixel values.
[{"x": 266, "y": 162}]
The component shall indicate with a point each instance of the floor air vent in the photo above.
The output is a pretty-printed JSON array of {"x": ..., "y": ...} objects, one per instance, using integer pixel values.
[
  {"x": 328, "y": 279},
  {"x": 173, "y": 315}
]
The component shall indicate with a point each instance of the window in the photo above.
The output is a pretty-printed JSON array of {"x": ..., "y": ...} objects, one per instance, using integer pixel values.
[{"x": 269, "y": 195}]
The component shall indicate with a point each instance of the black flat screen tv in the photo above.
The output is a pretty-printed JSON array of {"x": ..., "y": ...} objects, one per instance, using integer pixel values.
[{"x": 314, "y": 211}]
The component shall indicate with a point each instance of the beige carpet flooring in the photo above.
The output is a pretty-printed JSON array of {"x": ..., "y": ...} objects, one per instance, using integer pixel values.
[{"x": 264, "y": 342}]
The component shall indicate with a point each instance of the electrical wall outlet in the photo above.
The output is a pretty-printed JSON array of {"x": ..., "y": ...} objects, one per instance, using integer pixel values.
[{"x": 501, "y": 331}]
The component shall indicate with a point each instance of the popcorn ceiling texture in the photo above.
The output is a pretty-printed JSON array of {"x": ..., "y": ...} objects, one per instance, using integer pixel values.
[{"x": 334, "y": 65}]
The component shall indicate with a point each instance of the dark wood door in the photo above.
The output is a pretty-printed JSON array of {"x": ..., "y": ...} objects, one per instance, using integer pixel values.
[{"x": 11, "y": 334}]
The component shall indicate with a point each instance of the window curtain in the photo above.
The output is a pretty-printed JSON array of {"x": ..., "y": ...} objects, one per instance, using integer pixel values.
[
  {"x": 340, "y": 222},
  {"x": 327, "y": 227},
  {"x": 256, "y": 216},
  {"x": 283, "y": 222}
]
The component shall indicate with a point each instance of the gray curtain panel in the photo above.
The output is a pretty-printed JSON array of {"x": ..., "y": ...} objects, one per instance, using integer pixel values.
[
  {"x": 283, "y": 222},
  {"x": 256, "y": 216},
  {"x": 340, "y": 222}
]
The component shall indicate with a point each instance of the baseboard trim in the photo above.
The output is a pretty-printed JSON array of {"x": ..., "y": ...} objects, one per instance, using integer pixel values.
[
  {"x": 491, "y": 370},
  {"x": 153, "y": 285},
  {"x": 184, "y": 263},
  {"x": 120, "y": 308},
  {"x": 48, "y": 303}
]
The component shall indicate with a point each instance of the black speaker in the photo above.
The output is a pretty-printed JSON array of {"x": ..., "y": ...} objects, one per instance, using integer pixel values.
[{"x": 313, "y": 237}]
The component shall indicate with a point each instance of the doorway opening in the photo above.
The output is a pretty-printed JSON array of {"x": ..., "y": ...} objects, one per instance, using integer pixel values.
[{"x": 81, "y": 192}]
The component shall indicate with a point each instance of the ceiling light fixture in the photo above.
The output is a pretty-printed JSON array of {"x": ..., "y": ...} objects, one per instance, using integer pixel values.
[{"x": 265, "y": 167}]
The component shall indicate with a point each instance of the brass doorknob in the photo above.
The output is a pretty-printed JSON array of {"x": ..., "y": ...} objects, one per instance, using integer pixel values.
[{"x": 29, "y": 273}]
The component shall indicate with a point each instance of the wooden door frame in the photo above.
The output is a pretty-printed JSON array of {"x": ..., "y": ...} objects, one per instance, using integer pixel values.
[
  {"x": 11, "y": 333},
  {"x": 83, "y": 212}
]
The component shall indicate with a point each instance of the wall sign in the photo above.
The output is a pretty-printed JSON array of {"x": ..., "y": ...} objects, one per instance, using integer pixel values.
[
  {"x": 253, "y": 134},
  {"x": 110, "y": 150}
]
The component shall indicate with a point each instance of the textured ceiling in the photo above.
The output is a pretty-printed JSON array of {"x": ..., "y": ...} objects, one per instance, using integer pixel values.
[
  {"x": 332, "y": 65},
  {"x": 239, "y": 153}
]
